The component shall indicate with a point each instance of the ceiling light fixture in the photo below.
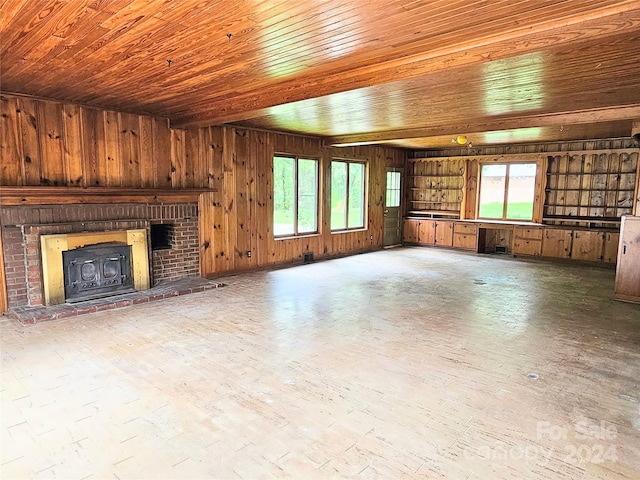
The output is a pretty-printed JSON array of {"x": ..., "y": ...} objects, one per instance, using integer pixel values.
[{"x": 462, "y": 140}]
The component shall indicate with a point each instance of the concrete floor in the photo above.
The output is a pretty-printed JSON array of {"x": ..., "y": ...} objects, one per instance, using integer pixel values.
[{"x": 411, "y": 362}]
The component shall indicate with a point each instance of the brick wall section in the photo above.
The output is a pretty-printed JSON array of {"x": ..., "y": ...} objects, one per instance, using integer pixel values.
[
  {"x": 183, "y": 259},
  {"x": 14, "y": 266},
  {"x": 22, "y": 227}
]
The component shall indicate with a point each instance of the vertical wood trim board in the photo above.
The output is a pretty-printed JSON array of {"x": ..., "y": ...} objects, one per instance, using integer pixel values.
[{"x": 3, "y": 280}]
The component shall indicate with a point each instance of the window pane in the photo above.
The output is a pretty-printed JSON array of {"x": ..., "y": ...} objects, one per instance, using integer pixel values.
[
  {"x": 307, "y": 196},
  {"x": 284, "y": 195},
  {"x": 356, "y": 195},
  {"x": 338, "y": 195},
  {"x": 492, "y": 183},
  {"x": 521, "y": 192},
  {"x": 393, "y": 189}
]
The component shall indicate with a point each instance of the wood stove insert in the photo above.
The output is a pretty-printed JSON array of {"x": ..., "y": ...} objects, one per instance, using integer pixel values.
[{"x": 96, "y": 271}]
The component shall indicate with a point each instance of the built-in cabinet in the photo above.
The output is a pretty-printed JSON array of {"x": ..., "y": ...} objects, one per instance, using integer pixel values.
[
  {"x": 443, "y": 233},
  {"x": 556, "y": 243},
  {"x": 611, "y": 241},
  {"x": 527, "y": 241},
  {"x": 428, "y": 232},
  {"x": 628, "y": 264},
  {"x": 587, "y": 245},
  {"x": 465, "y": 236},
  {"x": 410, "y": 231},
  {"x": 519, "y": 240}
]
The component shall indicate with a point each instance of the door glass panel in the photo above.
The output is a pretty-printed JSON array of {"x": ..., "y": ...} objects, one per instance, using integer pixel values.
[{"x": 393, "y": 189}]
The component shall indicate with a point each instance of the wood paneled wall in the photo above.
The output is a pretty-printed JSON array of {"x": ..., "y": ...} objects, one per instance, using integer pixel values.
[
  {"x": 238, "y": 218},
  {"x": 46, "y": 143}
]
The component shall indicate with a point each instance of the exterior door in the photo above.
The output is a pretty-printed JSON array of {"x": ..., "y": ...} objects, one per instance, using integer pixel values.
[{"x": 393, "y": 208}]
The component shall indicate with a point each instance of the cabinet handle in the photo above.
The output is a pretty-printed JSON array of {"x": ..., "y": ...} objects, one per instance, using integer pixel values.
[{"x": 624, "y": 249}]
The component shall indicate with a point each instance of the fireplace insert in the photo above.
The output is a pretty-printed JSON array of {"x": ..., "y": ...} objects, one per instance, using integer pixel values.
[{"x": 96, "y": 271}]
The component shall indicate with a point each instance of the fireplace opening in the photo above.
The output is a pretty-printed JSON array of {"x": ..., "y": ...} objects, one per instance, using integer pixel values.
[
  {"x": 96, "y": 271},
  {"x": 161, "y": 236}
]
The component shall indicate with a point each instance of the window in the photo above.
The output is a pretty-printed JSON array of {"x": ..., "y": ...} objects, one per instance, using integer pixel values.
[
  {"x": 347, "y": 195},
  {"x": 507, "y": 191},
  {"x": 295, "y": 196},
  {"x": 393, "y": 190}
]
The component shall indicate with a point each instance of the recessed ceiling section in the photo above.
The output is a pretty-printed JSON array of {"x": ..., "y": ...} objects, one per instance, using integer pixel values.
[
  {"x": 526, "y": 95},
  {"x": 556, "y": 133}
]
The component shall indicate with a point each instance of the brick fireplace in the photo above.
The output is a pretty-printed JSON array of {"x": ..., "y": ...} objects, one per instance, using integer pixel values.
[{"x": 24, "y": 227}]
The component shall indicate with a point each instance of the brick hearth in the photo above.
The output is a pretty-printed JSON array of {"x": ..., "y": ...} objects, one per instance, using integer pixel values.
[{"x": 29, "y": 315}]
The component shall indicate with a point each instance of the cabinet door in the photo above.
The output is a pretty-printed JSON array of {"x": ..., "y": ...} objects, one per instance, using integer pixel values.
[
  {"x": 611, "y": 241},
  {"x": 426, "y": 234},
  {"x": 587, "y": 246},
  {"x": 524, "y": 246},
  {"x": 556, "y": 243},
  {"x": 628, "y": 266},
  {"x": 410, "y": 231},
  {"x": 465, "y": 236},
  {"x": 464, "y": 241},
  {"x": 444, "y": 234}
]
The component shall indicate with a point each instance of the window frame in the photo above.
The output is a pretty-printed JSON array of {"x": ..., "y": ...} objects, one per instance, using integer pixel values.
[
  {"x": 296, "y": 183},
  {"x": 365, "y": 194},
  {"x": 508, "y": 163}
]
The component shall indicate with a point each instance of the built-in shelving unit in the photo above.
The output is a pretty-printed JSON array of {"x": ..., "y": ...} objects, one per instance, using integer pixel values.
[
  {"x": 436, "y": 187},
  {"x": 592, "y": 189}
]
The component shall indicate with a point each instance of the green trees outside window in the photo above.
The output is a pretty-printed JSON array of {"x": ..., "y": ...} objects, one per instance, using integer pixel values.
[
  {"x": 295, "y": 196},
  {"x": 348, "y": 181}
]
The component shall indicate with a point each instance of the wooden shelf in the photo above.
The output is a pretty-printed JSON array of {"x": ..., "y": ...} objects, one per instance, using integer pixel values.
[
  {"x": 436, "y": 186},
  {"x": 604, "y": 220},
  {"x": 443, "y": 213},
  {"x": 575, "y": 188},
  {"x": 438, "y": 176},
  {"x": 11, "y": 196}
]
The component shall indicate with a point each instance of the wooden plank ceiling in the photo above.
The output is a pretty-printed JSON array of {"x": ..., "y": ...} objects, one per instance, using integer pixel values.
[{"x": 408, "y": 73}]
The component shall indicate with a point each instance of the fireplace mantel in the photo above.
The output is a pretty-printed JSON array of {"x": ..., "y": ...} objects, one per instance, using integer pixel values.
[{"x": 12, "y": 196}]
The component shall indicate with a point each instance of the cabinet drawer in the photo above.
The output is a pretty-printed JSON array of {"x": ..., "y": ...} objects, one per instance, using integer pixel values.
[
  {"x": 532, "y": 233},
  {"x": 465, "y": 228}
]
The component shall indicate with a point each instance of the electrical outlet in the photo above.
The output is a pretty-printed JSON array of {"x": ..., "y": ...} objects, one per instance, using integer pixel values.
[{"x": 248, "y": 253}]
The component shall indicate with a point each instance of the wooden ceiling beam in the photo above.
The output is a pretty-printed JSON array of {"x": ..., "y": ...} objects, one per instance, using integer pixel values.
[
  {"x": 596, "y": 115},
  {"x": 242, "y": 106}
]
